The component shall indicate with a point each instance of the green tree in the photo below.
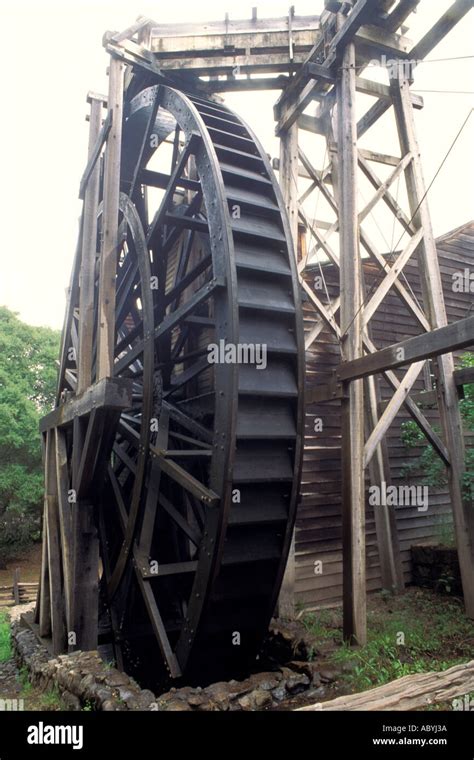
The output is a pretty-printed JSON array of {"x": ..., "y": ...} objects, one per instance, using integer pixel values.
[{"x": 28, "y": 371}]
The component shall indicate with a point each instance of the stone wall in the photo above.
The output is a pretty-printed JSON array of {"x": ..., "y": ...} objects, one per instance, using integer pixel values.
[{"x": 84, "y": 681}]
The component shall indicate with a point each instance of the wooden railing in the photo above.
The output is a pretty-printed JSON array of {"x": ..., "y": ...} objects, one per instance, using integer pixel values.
[{"x": 19, "y": 592}]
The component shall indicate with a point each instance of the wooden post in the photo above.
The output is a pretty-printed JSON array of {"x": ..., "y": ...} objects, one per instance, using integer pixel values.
[
  {"x": 43, "y": 607},
  {"x": 86, "y": 578},
  {"x": 288, "y": 175},
  {"x": 385, "y": 522},
  {"x": 352, "y": 409},
  {"x": 65, "y": 523},
  {"x": 109, "y": 247},
  {"x": 433, "y": 300},
  {"x": 84, "y": 600},
  {"x": 16, "y": 589},
  {"x": 89, "y": 242},
  {"x": 54, "y": 548}
]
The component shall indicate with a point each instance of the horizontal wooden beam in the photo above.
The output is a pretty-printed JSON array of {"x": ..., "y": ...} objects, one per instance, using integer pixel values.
[
  {"x": 108, "y": 393},
  {"x": 441, "y": 341},
  {"x": 249, "y": 84},
  {"x": 379, "y": 90},
  {"x": 232, "y": 27},
  {"x": 464, "y": 376},
  {"x": 261, "y": 62},
  {"x": 323, "y": 176},
  {"x": 335, "y": 390},
  {"x": 312, "y": 124},
  {"x": 373, "y": 42},
  {"x": 381, "y": 158}
]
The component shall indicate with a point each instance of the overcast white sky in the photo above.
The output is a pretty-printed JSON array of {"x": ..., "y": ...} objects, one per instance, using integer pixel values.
[{"x": 52, "y": 55}]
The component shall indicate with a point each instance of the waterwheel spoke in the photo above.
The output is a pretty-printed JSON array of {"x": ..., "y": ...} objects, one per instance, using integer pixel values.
[{"x": 170, "y": 321}]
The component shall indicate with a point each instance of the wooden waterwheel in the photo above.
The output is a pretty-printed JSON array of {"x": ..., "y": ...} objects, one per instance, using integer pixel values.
[{"x": 171, "y": 486}]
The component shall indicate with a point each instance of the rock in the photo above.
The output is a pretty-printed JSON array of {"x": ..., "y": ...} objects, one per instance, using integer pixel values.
[
  {"x": 196, "y": 700},
  {"x": 177, "y": 705},
  {"x": 316, "y": 694},
  {"x": 102, "y": 695},
  {"x": 297, "y": 683},
  {"x": 269, "y": 683},
  {"x": 109, "y": 705},
  {"x": 301, "y": 666},
  {"x": 218, "y": 695},
  {"x": 327, "y": 675},
  {"x": 262, "y": 699},
  {"x": 70, "y": 701},
  {"x": 115, "y": 678},
  {"x": 133, "y": 703},
  {"x": 245, "y": 702},
  {"x": 145, "y": 697},
  {"x": 279, "y": 693},
  {"x": 125, "y": 694}
]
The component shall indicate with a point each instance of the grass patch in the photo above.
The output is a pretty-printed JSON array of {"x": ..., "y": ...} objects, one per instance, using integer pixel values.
[
  {"x": 5, "y": 641},
  {"x": 416, "y": 632},
  {"x": 24, "y": 679},
  {"x": 51, "y": 700}
]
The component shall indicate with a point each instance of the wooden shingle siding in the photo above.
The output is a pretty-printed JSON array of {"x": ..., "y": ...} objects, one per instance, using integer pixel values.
[{"x": 318, "y": 527}]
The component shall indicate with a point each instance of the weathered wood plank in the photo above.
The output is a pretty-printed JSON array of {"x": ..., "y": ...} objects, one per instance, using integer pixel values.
[
  {"x": 433, "y": 298},
  {"x": 89, "y": 238},
  {"x": 54, "y": 548},
  {"x": 444, "y": 339},
  {"x": 65, "y": 521},
  {"x": 111, "y": 393},
  {"x": 391, "y": 411},
  {"x": 407, "y": 693},
  {"x": 352, "y": 408},
  {"x": 109, "y": 248},
  {"x": 440, "y": 29},
  {"x": 86, "y": 577},
  {"x": 289, "y": 186}
]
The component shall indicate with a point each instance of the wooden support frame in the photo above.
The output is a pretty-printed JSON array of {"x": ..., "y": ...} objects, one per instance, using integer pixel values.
[
  {"x": 434, "y": 300},
  {"x": 439, "y": 338},
  {"x": 89, "y": 243},
  {"x": 108, "y": 254},
  {"x": 289, "y": 186},
  {"x": 352, "y": 407},
  {"x": 436, "y": 342}
]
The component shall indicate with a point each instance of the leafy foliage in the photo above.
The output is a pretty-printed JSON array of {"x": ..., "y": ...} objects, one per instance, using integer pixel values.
[
  {"x": 416, "y": 632},
  {"x": 28, "y": 371},
  {"x": 428, "y": 462},
  {"x": 5, "y": 643}
]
